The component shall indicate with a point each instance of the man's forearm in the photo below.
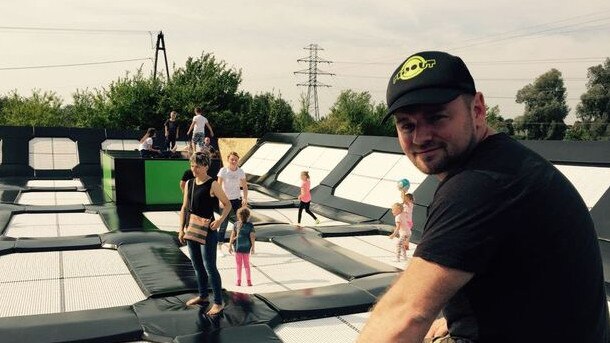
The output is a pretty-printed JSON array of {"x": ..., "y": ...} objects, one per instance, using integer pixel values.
[
  {"x": 393, "y": 320},
  {"x": 406, "y": 311}
]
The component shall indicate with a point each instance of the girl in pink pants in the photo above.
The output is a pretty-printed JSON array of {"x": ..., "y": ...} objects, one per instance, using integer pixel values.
[{"x": 242, "y": 241}]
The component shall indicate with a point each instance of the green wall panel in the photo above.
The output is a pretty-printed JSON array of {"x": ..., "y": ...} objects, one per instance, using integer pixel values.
[
  {"x": 162, "y": 178},
  {"x": 107, "y": 177}
]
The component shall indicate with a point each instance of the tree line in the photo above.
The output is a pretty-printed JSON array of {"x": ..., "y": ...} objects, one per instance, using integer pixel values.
[{"x": 138, "y": 101}]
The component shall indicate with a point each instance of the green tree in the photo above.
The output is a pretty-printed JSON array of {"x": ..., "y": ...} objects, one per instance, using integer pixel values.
[
  {"x": 577, "y": 132},
  {"x": 133, "y": 102},
  {"x": 138, "y": 101},
  {"x": 545, "y": 107},
  {"x": 497, "y": 122},
  {"x": 347, "y": 114},
  {"x": 88, "y": 109},
  {"x": 267, "y": 113},
  {"x": 373, "y": 126},
  {"x": 40, "y": 109},
  {"x": 354, "y": 113},
  {"x": 303, "y": 122},
  {"x": 207, "y": 83},
  {"x": 594, "y": 107}
]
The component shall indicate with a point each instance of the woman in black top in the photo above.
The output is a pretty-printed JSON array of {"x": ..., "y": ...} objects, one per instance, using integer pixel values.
[
  {"x": 172, "y": 130},
  {"x": 205, "y": 192}
]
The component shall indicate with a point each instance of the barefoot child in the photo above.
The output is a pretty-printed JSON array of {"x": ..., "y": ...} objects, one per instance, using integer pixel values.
[
  {"x": 305, "y": 197},
  {"x": 243, "y": 238},
  {"x": 407, "y": 206},
  {"x": 402, "y": 230}
]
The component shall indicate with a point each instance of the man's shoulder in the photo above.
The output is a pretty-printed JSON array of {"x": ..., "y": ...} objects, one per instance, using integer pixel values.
[{"x": 498, "y": 160}]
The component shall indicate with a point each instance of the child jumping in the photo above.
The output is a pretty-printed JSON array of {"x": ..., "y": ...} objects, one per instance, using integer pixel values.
[
  {"x": 305, "y": 197},
  {"x": 402, "y": 230},
  {"x": 243, "y": 238}
]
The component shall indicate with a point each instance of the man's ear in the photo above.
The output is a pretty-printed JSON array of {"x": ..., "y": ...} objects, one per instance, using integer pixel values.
[{"x": 478, "y": 107}]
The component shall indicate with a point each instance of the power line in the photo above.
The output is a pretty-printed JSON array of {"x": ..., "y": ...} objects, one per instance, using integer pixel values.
[
  {"x": 582, "y": 16},
  {"x": 66, "y": 29},
  {"x": 548, "y": 30},
  {"x": 514, "y": 97},
  {"x": 477, "y": 79},
  {"x": 75, "y": 64},
  {"x": 517, "y": 61},
  {"x": 491, "y": 36}
]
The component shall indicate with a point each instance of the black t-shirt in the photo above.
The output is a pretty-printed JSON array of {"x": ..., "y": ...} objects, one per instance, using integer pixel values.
[
  {"x": 511, "y": 218},
  {"x": 172, "y": 127},
  {"x": 188, "y": 174}
]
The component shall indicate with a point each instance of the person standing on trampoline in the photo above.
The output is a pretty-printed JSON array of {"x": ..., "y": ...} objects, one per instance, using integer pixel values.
[
  {"x": 198, "y": 125},
  {"x": 402, "y": 230},
  {"x": 305, "y": 198},
  {"x": 232, "y": 179},
  {"x": 172, "y": 130},
  {"x": 408, "y": 202},
  {"x": 243, "y": 238},
  {"x": 199, "y": 198}
]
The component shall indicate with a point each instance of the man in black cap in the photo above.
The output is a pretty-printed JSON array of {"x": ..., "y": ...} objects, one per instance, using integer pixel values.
[{"x": 509, "y": 252}]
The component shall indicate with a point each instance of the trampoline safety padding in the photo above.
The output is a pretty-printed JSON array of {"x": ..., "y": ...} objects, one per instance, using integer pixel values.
[
  {"x": 354, "y": 230},
  {"x": 159, "y": 269},
  {"x": 117, "y": 324},
  {"x": 118, "y": 238},
  {"x": 337, "y": 260},
  {"x": 266, "y": 233},
  {"x": 58, "y": 243},
  {"x": 166, "y": 318},
  {"x": 319, "y": 302},
  {"x": 259, "y": 333},
  {"x": 376, "y": 285},
  {"x": 7, "y": 245}
]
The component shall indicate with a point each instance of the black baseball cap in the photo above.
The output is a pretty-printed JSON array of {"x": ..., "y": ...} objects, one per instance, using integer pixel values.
[{"x": 428, "y": 77}]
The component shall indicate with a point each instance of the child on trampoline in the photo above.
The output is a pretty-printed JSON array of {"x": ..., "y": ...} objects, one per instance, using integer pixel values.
[
  {"x": 243, "y": 238},
  {"x": 305, "y": 198},
  {"x": 404, "y": 224},
  {"x": 407, "y": 205},
  {"x": 146, "y": 144}
]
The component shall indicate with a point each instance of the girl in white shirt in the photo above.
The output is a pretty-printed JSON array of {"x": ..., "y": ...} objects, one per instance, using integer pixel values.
[
  {"x": 146, "y": 144},
  {"x": 232, "y": 179}
]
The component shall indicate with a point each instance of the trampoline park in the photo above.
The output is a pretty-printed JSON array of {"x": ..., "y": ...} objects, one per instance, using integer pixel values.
[{"x": 89, "y": 249}]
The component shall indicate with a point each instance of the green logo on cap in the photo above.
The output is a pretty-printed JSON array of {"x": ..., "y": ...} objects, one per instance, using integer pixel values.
[{"x": 414, "y": 66}]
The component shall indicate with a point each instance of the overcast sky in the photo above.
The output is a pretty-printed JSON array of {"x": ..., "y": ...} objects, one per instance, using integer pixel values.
[{"x": 506, "y": 44}]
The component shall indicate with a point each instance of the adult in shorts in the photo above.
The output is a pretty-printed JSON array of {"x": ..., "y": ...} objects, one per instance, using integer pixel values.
[{"x": 198, "y": 126}]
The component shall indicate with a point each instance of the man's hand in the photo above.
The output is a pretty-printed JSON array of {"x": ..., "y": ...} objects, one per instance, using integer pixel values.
[{"x": 438, "y": 329}]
